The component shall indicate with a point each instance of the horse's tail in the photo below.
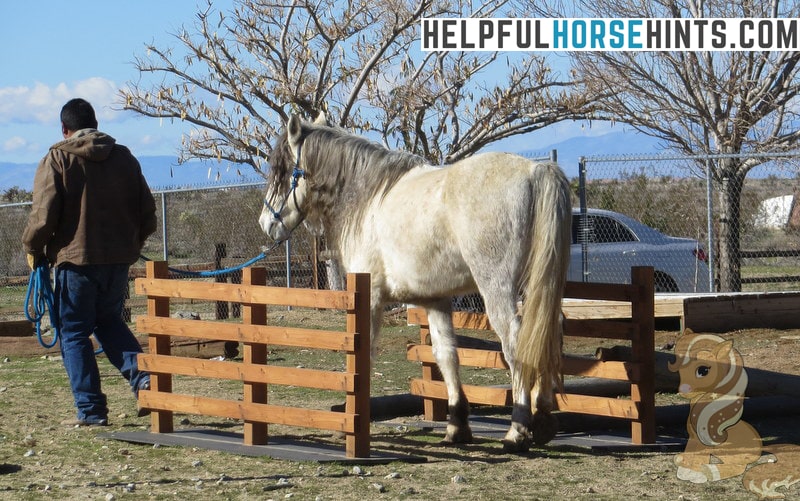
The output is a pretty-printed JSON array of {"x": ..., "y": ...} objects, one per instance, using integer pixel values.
[{"x": 539, "y": 343}]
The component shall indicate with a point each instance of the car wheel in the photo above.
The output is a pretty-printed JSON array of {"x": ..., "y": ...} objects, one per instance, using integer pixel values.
[{"x": 664, "y": 282}]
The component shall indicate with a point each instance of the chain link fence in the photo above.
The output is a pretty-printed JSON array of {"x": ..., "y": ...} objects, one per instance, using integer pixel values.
[
  {"x": 207, "y": 228},
  {"x": 199, "y": 229},
  {"x": 751, "y": 245}
]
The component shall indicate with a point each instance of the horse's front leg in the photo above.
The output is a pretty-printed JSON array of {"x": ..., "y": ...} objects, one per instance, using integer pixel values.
[{"x": 443, "y": 341}]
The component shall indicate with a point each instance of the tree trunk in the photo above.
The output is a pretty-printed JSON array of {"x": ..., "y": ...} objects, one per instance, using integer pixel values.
[{"x": 730, "y": 258}]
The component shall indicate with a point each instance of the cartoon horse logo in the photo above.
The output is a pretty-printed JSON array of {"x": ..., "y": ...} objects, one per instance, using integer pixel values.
[{"x": 721, "y": 445}]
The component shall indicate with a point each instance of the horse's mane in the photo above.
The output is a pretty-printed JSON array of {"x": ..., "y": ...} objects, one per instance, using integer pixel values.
[
  {"x": 344, "y": 172},
  {"x": 721, "y": 405}
]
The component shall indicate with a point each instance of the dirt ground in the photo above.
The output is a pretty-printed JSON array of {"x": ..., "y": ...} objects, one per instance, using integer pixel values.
[{"x": 41, "y": 459}]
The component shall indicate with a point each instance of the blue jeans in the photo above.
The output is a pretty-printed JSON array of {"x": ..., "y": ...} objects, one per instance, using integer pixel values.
[{"x": 89, "y": 300}]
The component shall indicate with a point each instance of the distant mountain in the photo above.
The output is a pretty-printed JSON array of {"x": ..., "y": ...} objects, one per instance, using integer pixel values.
[
  {"x": 164, "y": 171},
  {"x": 160, "y": 171},
  {"x": 607, "y": 145}
]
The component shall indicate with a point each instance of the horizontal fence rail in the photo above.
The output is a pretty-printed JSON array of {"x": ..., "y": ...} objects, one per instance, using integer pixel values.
[
  {"x": 254, "y": 373},
  {"x": 638, "y": 369}
]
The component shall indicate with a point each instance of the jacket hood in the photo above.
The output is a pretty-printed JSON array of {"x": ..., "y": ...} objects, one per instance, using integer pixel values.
[{"x": 90, "y": 144}]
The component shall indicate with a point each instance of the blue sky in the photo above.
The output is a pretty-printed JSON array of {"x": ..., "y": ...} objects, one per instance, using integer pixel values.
[
  {"x": 86, "y": 48},
  {"x": 81, "y": 48}
]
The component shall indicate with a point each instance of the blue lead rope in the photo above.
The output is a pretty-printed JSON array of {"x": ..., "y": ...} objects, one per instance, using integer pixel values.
[
  {"x": 39, "y": 298},
  {"x": 39, "y": 302},
  {"x": 215, "y": 273}
]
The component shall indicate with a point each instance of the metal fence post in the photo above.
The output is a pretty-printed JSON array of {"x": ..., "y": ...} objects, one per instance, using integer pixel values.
[
  {"x": 710, "y": 228},
  {"x": 582, "y": 233},
  {"x": 164, "y": 224},
  {"x": 288, "y": 245}
]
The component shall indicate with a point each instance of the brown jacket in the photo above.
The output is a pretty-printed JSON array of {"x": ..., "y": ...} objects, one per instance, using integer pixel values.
[{"x": 91, "y": 204}]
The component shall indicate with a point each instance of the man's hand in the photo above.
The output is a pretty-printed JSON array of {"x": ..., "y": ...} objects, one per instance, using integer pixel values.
[{"x": 33, "y": 259}]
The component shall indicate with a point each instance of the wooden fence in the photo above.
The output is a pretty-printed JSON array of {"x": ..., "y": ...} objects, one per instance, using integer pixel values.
[
  {"x": 639, "y": 370},
  {"x": 253, "y": 331}
]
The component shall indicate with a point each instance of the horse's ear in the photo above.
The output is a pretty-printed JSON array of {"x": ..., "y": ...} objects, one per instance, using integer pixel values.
[
  {"x": 722, "y": 350},
  {"x": 321, "y": 119},
  {"x": 293, "y": 129}
]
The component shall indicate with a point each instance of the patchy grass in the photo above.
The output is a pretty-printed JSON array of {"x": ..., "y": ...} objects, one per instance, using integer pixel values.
[{"x": 39, "y": 458}]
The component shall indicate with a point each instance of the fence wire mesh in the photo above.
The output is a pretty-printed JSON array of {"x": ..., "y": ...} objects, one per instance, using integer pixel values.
[
  {"x": 750, "y": 244},
  {"x": 208, "y": 228},
  {"x": 199, "y": 229}
]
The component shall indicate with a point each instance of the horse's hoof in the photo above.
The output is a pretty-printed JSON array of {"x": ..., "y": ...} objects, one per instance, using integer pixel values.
[
  {"x": 517, "y": 440},
  {"x": 455, "y": 435},
  {"x": 545, "y": 427},
  {"x": 512, "y": 447}
]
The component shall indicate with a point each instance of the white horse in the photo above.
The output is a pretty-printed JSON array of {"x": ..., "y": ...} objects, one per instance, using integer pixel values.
[{"x": 495, "y": 223}]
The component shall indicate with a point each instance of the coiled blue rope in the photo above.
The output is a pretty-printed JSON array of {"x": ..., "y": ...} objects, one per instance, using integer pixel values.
[{"x": 39, "y": 302}]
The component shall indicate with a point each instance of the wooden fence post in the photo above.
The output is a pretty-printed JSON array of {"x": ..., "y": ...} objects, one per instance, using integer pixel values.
[
  {"x": 255, "y": 433},
  {"x": 643, "y": 429},
  {"x": 357, "y": 402},
  {"x": 220, "y": 252},
  {"x": 161, "y": 421}
]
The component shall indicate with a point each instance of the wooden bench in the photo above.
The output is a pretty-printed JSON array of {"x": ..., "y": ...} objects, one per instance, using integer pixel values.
[{"x": 639, "y": 370}]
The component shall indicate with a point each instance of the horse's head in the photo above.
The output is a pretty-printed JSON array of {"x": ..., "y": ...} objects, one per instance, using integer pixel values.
[
  {"x": 285, "y": 196},
  {"x": 702, "y": 360}
]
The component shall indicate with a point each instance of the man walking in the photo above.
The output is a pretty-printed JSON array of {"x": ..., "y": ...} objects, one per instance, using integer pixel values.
[{"x": 92, "y": 211}]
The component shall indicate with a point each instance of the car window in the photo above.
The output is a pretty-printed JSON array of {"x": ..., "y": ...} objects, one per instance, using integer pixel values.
[
  {"x": 608, "y": 230},
  {"x": 600, "y": 230}
]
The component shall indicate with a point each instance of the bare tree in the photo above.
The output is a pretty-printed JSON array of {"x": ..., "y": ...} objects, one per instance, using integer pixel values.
[
  {"x": 238, "y": 75},
  {"x": 700, "y": 102}
]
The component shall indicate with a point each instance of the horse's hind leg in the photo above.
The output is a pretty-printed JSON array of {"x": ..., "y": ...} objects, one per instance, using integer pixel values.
[
  {"x": 545, "y": 423},
  {"x": 443, "y": 341},
  {"x": 505, "y": 322}
]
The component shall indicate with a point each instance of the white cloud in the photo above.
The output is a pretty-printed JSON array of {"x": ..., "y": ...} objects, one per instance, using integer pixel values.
[
  {"x": 18, "y": 145},
  {"x": 42, "y": 103},
  {"x": 14, "y": 143}
]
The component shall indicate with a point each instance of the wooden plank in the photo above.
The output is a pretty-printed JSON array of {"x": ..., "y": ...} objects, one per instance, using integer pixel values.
[
  {"x": 666, "y": 306},
  {"x": 264, "y": 334},
  {"x": 604, "y": 329},
  {"x": 417, "y": 316},
  {"x": 16, "y": 328},
  {"x": 605, "y": 292},
  {"x": 485, "y": 395},
  {"x": 726, "y": 312},
  {"x": 571, "y": 365},
  {"x": 461, "y": 319},
  {"x": 470, "y": 320},
  {"x": 238, "y": 293},
  {"x": 251, "y": 373},
  {"x": 467, "y": 356},
  {"x": 501, "y": 396},
  {"x": 290, "y": 416},
  {"x": 598, "y": 406},
  {"x": 588, "y": 367}
]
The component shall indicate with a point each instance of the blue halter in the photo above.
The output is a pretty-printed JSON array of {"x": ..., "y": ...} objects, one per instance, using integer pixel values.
[{"x": 297, "y": 173}]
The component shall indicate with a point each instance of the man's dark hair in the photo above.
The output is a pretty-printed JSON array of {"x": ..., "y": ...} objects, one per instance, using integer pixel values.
[{"x": 78, "y": 114}]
